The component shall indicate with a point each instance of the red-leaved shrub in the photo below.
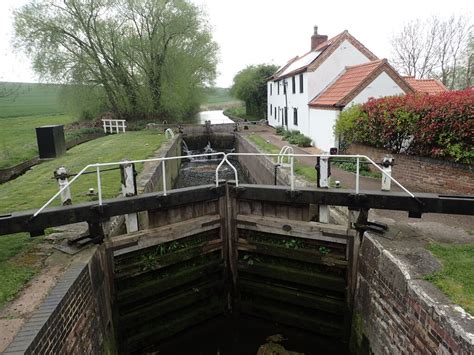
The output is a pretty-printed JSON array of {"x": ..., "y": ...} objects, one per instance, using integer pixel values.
[{"x": 439, "y": 125}]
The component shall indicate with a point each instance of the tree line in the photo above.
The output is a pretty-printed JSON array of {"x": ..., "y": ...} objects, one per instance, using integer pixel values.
[
  {"x": 436, "y": 48},
  {"x": 136, "y": 58}
]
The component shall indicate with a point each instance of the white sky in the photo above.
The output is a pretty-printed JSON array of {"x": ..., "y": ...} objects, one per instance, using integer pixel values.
[{"x": 271, "y": 31}]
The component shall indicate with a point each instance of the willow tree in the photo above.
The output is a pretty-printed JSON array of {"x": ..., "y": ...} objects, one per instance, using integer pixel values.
[{"x": 148, "y": 57}]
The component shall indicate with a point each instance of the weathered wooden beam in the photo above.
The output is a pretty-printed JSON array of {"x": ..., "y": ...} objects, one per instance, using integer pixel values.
[
  {"x": 304, "y": 255},
  {"x": 153, "y": 287},
  {"x": 293, "y": 296},
  {"x": 400, "y": 201},
  {"x": 150, "y": 333},
  {"x": 136, "y": 268},
  {"x": 128, "y": 243},
  {"x": 312, "y": 279},
  {"x": 157, "y": 308},
  {"x": 299, "y": 229},
  {"x": 58, "y": 216}
]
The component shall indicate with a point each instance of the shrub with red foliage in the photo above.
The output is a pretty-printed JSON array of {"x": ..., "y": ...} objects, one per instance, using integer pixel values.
[{"x": 440, "y": 126}]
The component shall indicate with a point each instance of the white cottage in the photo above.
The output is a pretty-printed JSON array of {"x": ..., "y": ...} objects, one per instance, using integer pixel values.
[{"x": 308, "y": 92}]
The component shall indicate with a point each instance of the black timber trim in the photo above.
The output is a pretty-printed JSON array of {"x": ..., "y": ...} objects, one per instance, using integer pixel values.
[
  {"x": 399, "y": 201},
  {"x": 93, "y": 213}
]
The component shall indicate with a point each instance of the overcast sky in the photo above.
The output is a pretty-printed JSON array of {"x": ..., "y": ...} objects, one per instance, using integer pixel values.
[{"x": 271, "y": 31}]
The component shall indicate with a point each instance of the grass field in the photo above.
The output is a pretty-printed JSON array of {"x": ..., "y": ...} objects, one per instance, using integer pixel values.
[
  {"x": 30, "y": 99},
  {"x": 35, "y": 187},
  {"x": 18, "y": 137},
  {"x": 456, "y": 279},
  {"x": 306, "y": 172}
]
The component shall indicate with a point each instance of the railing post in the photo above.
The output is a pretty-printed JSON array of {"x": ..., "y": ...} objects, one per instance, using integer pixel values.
[
  {"x": 129, "y": 189},
  {"x": 61, "y": 174},
  {"x": 324, "y": 172},
  {"x": 324, "y": 183},
  {"x": 387, "y": 172},
  {"x": 99, "y": 186},
  {"x": 163, "y": 170},
  {"x": 292, "y": 174},
  {"x": 357, "y": 175}
]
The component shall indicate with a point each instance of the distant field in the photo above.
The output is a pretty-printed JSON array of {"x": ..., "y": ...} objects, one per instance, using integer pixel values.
[
  {"x": 217, "y": 96},
  {"x": 18, "y": 137},
  {"x": 29, "y": 99},
  {"x": 36, "y": 186}
]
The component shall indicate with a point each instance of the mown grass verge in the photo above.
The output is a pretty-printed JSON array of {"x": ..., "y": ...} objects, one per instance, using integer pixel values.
[
  {"x": 240, "y": 112},
  {"x": 18, "y": 137},
  {"x": 35, "y": 187},
  {"x": 305, "y": 171},
  {"x": 456, "y": 279}
]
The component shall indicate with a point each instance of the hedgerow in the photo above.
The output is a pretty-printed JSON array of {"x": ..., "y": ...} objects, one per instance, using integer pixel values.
[{"x": 439, "y": 126}]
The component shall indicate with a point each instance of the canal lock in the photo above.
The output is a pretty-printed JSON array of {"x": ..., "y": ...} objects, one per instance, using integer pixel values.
[{"x": 228, "y": 275}]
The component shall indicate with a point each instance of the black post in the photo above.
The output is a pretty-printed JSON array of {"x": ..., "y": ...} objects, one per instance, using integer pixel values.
[{"x": 285, "y": 91}]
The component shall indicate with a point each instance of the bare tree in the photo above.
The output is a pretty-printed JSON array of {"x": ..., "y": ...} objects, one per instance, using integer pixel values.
[{"x": 432, "y": 48}]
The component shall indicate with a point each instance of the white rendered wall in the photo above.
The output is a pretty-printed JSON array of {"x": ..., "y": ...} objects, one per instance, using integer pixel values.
[
  {"x": 383, "y": 85},
  {"x": 297, "y": 100},
  {"x": 321, "y": 128},
  {"x": 344, "y": 55}
]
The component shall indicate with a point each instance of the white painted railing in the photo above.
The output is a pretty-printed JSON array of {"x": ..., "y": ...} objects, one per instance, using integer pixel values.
[
  {"x": 224, "y": 160},
  {"x": 292, "y": 156},
  {"x": 114, "y": 126},
  {"x": 97, "y": 166},
  {"x": 285, "y": 152}
]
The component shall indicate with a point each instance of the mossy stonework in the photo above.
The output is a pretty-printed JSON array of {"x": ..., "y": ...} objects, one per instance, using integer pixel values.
[{"x": 398, "y": 311}]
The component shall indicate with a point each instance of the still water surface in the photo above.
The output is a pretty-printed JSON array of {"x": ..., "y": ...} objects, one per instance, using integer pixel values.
[{"x": 216, "y": 117}]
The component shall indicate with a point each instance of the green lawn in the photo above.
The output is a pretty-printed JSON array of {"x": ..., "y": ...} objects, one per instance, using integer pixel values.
[
  {"x": 241, "y": 112},
  {"x": 18, "y": 137},
  {"x": 305, "y": 171},
  {"x": 456, "y": 279},
  {"x": 35, "y": 187},
  {"x": 30, "y": 99}
]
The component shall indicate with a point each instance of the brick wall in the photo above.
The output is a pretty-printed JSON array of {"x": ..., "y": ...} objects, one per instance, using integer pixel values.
[
  {"x": 401, "y": 313},
  {"x": 76, "y": 316},
  {"x": 424, "y": 174}
]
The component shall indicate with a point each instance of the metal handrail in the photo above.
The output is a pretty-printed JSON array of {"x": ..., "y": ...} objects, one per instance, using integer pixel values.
[
  {"x": 98, "y": 165},
  {"x": 358, "y": 157},
  {"x": 225, "y": 159},
  {"x": 284, "y": 151}
]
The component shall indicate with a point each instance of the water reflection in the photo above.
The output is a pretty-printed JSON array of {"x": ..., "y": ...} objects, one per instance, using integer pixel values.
[{"x": 216, "y": 117}]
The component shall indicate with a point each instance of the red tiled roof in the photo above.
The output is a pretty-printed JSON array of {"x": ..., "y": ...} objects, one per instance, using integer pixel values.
[
  {"x": 352, "y": 78},
  {"x": 428, "y": 86}
]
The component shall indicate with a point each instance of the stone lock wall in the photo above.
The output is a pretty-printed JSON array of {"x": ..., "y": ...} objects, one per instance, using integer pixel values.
[
  {"x": 398, "y": 312},
  {"x": 75, "y": 318},
  {"x": 424, "y": 174}
]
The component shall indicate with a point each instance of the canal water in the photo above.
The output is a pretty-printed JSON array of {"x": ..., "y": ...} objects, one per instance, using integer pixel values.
[
  {"x": 216, "y": 117},
  {"x": 245, "y": 335}
]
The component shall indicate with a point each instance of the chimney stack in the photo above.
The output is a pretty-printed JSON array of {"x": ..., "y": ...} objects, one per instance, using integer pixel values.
[{"x": 316, "y": 39}]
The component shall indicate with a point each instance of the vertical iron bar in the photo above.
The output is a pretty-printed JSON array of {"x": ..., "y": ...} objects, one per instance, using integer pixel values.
[
  {"x": 292, "y": 182},
  {"x": 357, "y": 176},
  {"x": 99, "y": 186},
  {"x": 163, "y": 169}
]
